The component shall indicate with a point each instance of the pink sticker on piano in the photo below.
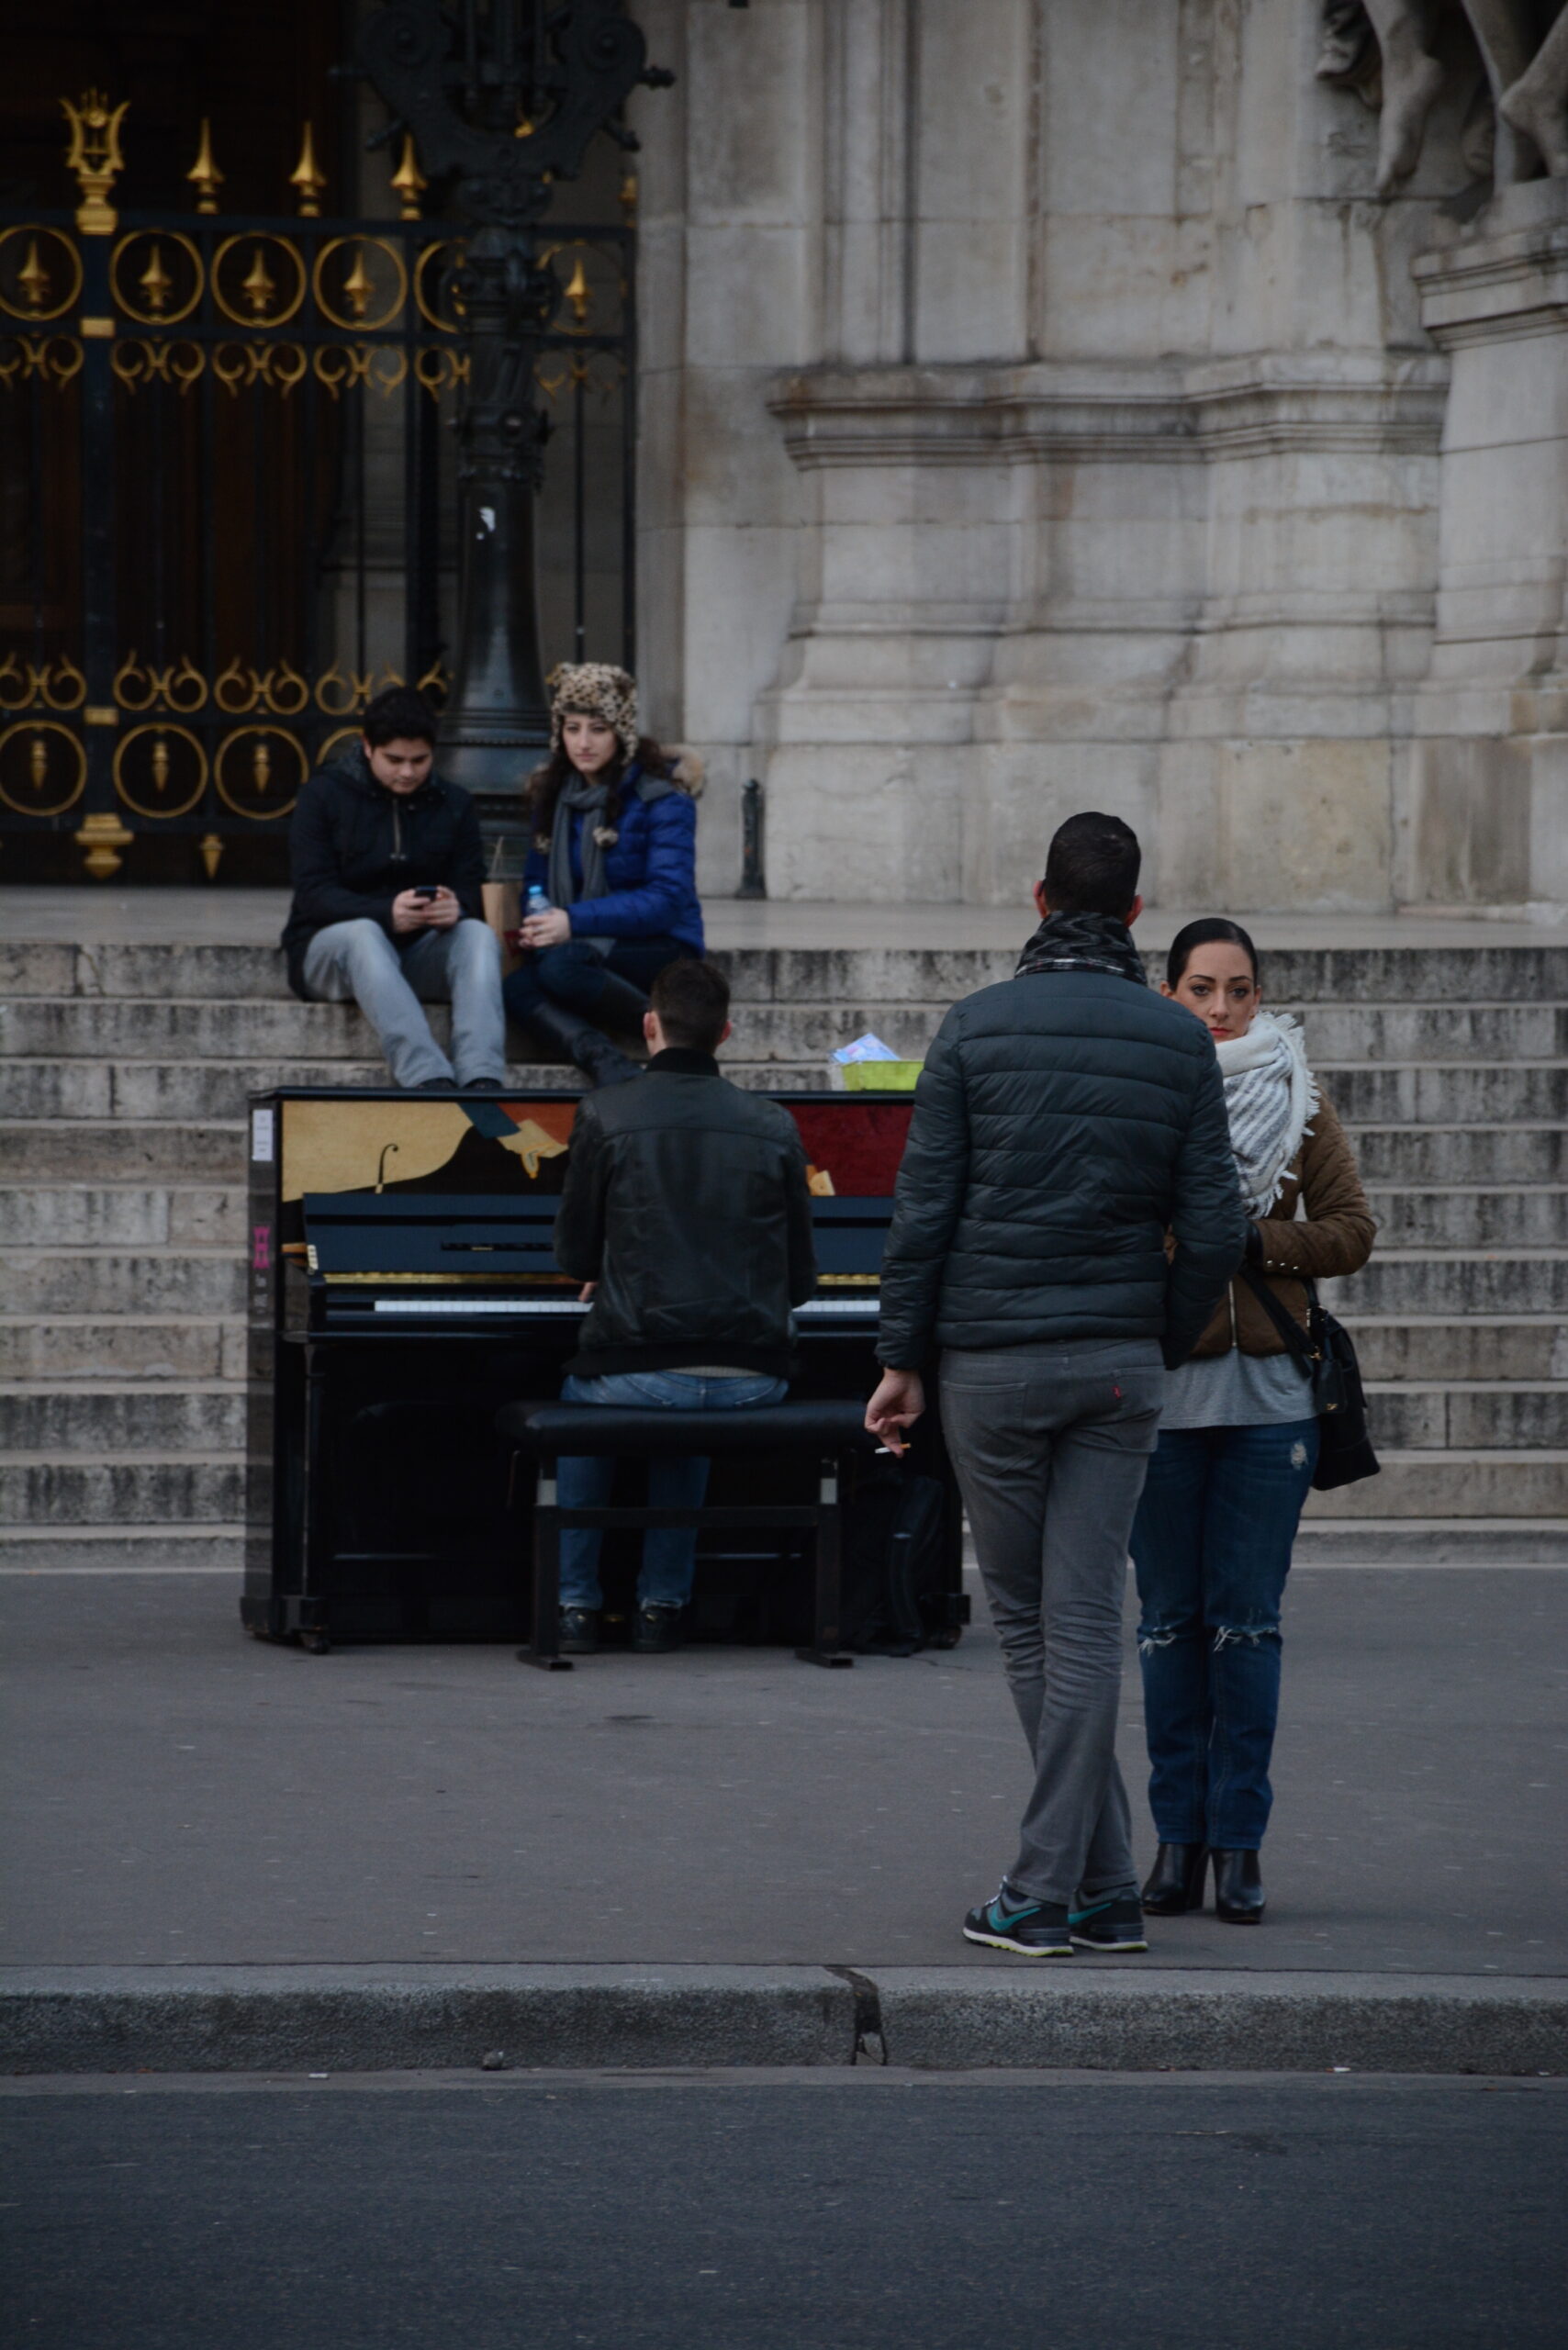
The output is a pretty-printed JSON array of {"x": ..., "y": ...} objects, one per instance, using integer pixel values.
[{"x": 261, "y": 1248}]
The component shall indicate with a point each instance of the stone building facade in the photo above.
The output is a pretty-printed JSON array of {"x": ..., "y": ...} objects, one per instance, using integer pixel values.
[{"x": 1040, "y": 410}]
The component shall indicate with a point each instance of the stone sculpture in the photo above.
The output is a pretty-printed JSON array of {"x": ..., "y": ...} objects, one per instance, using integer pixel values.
[{"x": 1527, "y": 77}]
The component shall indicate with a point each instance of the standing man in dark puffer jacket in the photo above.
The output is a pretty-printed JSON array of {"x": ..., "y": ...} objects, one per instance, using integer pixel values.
[{"x": 1066, "y": 1121}]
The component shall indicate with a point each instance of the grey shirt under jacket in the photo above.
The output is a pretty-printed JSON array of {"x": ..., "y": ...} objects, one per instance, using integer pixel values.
[{"x": 1064, "y": 1123}]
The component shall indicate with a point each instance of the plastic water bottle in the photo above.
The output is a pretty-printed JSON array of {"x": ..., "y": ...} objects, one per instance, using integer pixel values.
[{"x": 538, "y": 900}]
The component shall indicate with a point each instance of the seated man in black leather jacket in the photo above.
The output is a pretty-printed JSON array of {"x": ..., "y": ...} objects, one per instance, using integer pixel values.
[{"x": 686, "y": 1214}]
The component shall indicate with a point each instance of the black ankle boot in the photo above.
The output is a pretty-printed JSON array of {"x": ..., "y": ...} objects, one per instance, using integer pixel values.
[
  {"x": 569, "y": 1033},
  {"x": 1238, "y": 1888},
  {"x": 1176, "y": 1880}
]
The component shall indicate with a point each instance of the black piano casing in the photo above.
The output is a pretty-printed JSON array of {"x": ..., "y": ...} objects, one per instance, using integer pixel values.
[{"x": 377, "y": 1498}]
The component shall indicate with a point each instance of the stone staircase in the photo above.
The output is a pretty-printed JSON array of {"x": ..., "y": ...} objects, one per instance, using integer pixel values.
[{"x": 123, "y": 1082}]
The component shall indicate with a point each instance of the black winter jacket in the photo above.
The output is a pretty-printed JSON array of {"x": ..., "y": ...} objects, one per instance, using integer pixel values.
[
  {"x": 686, "y": 1200},
  {"x": 353, "y": 845},
  {"x": 1063, "y": 1121}
]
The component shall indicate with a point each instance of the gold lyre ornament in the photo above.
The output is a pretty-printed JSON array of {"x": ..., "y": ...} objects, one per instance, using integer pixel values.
[
  {"x": 308, "y": 179},
  {"x": 96, "y": 159}
]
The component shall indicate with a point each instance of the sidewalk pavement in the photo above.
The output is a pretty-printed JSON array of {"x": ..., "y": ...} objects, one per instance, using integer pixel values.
[{"x": 727, "y": 1850}]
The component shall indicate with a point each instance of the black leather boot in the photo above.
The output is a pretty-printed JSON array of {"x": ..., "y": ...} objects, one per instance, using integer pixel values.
[
  {"x": 618, "y": 1005},
  {"x": 569, "y": 1033},
  {"x": 1176, "y": 1880},
  {"x": 1238, "y": 1888}
]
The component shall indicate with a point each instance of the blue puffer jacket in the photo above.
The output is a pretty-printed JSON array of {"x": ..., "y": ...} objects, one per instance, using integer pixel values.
[{"x": 651, "y": 870}]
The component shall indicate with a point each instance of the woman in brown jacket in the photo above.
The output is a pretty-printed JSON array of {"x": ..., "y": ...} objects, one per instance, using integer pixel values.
[{"x": 1238, "y": 1446}]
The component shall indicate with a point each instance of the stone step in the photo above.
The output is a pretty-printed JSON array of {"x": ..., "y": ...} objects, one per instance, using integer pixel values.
[
  {"x": 130, "y": 1216},
  {"x": 1533, "y": 1348},
  {"x": 120, "y": 1549},
  {"x": 197, "y": 1091},
  {"x": 1423, "y": 1348},
  {"x": 115, "y": 1150},
  {"x": 89, "y": 1215},
  {"x": 209, "y": 1416},
  {"x": 128, "y": 1489},
  {"x": 1429, "y": 1541},
  {"x": 112, "y": 1150},
  {"x": 1392, "y": 974},
  {"x": 201, "y": 1417},
  {"x": 153, "y": 1028},
  {"x": 1398, "y": 1283},
  {"x": 1468, "y": 1416},
  {"x": 1425, "y": 1155},
  {"x": 1471, "y": 1484},
  {"x": 1446, "y": 1093},
  {"x": 141, "y": 1488},
  {"x": 111, "y": 1281},
  {"x": 1454, "y": 1215},
  {"x": 64, "y": 1347}
]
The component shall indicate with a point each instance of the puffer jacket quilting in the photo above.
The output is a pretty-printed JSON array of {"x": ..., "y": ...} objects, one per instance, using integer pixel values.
[{"x": 1064, "y": 1121}]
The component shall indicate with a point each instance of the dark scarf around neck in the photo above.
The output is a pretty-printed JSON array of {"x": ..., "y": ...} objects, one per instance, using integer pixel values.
[{"x": 1083, "y": 942}]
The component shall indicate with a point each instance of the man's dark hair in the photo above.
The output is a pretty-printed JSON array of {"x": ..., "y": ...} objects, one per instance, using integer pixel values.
[
  {"x": 399, "y": 715},
  {"x": 1092, "y": 867},
  {"x": 692, "y": 1000}
]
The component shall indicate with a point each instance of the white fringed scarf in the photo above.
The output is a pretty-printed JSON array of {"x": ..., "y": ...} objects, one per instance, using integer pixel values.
[{"x": 1269, "y": 1094}]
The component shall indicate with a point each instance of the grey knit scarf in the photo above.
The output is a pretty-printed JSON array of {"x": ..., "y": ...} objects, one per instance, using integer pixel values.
[
  {"x": 1083, "y": 942},
  {"x": 584, "y": 795}
]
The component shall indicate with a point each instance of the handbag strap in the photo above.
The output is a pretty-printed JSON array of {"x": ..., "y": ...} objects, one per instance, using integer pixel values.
[{"x": 1296, "y": 1340}]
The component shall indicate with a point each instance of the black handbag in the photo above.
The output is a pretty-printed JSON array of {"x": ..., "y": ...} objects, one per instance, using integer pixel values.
[{"x": 1325, "y": 1352}]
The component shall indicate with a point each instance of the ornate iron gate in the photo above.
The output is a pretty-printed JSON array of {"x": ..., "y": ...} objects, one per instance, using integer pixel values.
[{"x": 226, "y": 496}]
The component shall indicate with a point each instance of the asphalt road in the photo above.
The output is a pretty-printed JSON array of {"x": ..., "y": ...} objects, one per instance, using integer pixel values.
[{"x": 733, "y": 2212}]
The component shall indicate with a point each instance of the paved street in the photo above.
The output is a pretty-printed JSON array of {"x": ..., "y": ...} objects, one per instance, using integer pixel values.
[
  {"x": 180, "y": 1793},
  {"x": 854, "y": 2212}
]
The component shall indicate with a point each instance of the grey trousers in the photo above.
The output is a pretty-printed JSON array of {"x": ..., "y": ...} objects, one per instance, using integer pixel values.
[
  {"x": 1050, "y": 1445},
  {"x": 462, "y": 964}
]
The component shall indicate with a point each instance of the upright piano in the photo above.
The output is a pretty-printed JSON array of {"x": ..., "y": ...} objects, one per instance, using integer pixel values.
[{"x": 402, "y": 1286}]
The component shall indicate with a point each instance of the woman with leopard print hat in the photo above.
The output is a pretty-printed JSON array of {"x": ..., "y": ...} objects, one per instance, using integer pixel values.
[{"x": 614, "y": 850}]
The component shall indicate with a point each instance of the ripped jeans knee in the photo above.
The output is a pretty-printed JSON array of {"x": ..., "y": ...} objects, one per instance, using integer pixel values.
[{"x": 1251, "y": 1636}]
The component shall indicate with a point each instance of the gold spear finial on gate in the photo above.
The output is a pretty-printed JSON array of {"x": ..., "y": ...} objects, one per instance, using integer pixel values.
[
  {"x": 203, "y": 174},
  {"x": 96, "y": 159},
  {"x": 156, "y": 283},
  {"x": 33, "y": 278},
  {"x": 409, "y": 180},
  {"x": 311, "y": 180}
]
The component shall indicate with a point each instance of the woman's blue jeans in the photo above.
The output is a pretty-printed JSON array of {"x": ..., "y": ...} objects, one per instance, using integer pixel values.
[
  {"x": 574, "y": 973},
  {"x": 584, "y": 1481},
  {"x": 1210, "y": 1543}
]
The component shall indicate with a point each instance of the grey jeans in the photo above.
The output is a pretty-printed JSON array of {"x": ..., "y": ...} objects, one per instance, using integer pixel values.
[
  {"x": 463, "y": 965},
  {"x": 1050, "y": 1445}
]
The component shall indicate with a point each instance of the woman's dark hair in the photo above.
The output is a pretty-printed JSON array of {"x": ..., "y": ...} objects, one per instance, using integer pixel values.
[
  {"x": 399, "y": 715},
  {"x": 1210, "y": 931},
  {"x": 543, "y": 785},
  {"x": 1092, "y": 867}
]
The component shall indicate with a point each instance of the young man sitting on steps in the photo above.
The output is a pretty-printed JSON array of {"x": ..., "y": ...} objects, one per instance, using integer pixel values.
[
  {"x": 388, "y": 907},
  {"x": 686, "y": 1214}
]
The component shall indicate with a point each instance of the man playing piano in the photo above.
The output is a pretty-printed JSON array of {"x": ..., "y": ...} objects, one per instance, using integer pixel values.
[{"x": 687, "y": 1215}]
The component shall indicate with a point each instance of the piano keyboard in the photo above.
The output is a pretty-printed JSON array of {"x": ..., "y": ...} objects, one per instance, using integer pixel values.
[{"x": 863, "y": 1308}]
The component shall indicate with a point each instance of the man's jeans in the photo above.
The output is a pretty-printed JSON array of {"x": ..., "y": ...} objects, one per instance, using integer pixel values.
[
  {"x": 1051, "y": 1444},
  {"x": 584, "y": 1482},
  {"x": 1212, "y": 1545},
  {"x": 462, "y": 964}
]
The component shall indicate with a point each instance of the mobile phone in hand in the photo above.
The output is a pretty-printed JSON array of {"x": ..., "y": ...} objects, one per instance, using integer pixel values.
[{"x": 426, "y": 890}]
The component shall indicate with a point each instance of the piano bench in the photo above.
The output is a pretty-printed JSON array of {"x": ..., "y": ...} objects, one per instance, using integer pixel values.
[{"x": 830, "y": 1429}]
